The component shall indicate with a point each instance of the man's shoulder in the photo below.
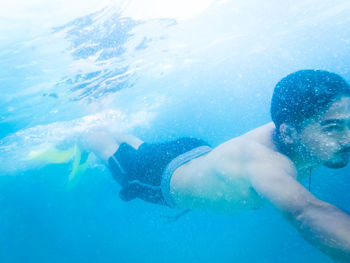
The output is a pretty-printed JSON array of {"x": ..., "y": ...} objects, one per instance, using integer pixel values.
[
  {"x": 260, "y": 138},
  {"x": 254, "y": 147}
]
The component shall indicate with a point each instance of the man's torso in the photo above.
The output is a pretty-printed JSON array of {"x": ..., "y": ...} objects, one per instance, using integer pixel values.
[{"x": 222, "y": 177}]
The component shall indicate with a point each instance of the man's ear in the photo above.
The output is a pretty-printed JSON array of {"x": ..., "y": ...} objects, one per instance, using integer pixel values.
[{"x": 288, "y": 134}]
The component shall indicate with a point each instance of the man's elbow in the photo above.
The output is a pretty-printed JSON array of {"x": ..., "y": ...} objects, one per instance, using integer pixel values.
[{"x": 302, "y": 216}]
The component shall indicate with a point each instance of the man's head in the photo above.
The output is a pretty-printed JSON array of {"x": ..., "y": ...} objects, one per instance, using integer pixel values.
[{"x": 311, "y": 112}]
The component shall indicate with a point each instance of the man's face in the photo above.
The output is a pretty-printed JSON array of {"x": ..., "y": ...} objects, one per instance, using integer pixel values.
[{"x": 326, "y": 139}]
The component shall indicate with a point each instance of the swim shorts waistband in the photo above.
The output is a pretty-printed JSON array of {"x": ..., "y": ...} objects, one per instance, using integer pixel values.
[{"x": 173, "y": 165}]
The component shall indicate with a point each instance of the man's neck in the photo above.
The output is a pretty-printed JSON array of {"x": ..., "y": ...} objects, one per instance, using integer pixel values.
[{"x": 301, "y": 163}]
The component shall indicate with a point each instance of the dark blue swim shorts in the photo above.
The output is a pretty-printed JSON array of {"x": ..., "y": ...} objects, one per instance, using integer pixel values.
[{"x": 145, "y": 173}]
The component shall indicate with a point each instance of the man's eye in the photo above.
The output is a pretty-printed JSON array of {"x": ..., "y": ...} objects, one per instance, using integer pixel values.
[{"x": 333, "y": 128}]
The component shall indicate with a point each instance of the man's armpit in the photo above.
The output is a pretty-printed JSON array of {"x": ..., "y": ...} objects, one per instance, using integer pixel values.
[{"x": 277, "y": 183}]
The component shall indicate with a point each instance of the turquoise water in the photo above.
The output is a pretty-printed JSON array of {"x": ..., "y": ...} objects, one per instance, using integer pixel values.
[{"x": 209, "y": 76}]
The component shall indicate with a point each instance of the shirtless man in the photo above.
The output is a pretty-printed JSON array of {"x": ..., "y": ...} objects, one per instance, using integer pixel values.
[{"x": 310, "y": 110}]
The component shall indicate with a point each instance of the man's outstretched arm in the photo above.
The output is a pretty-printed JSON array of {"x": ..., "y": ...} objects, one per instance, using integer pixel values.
[{"x": 322, "y": 224}]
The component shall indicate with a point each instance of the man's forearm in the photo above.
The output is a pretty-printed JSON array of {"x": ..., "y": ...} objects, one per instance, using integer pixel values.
[{"x": 326, "y": 227}]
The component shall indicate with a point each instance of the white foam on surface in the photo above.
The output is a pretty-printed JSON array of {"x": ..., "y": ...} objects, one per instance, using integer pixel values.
[
  {"x": 21, "y": 19},
  {"x": 15, "y": 149},
  {"x": 178, "y": 9}
]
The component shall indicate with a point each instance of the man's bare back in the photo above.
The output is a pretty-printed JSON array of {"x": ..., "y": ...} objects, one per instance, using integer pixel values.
[{"x": 226, "y": 168}]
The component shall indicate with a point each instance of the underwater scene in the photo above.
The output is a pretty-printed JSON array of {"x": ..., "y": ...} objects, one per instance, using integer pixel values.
[{"x": 159, "y": 70}]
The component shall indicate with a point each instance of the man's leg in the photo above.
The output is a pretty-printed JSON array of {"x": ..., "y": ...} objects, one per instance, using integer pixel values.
[{"x": 104, "y": 144}]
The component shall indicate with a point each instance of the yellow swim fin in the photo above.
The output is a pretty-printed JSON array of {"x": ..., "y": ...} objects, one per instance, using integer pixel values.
[
  {"x": 51, "y": 154},
  {"x": 78, "y": 168}
]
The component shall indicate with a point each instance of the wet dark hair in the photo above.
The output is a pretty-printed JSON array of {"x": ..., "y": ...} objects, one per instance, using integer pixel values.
[{"x": 304, "y": 94}]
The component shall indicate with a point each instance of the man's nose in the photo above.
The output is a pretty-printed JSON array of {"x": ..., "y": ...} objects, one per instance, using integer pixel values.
[{"x": 346, "y": 138}]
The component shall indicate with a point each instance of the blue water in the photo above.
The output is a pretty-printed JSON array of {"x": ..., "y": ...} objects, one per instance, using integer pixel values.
[{"x": 210, "y": 76}]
